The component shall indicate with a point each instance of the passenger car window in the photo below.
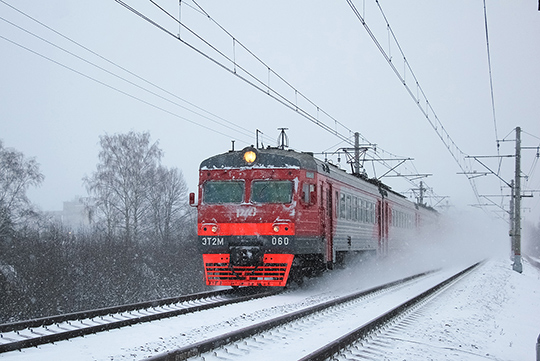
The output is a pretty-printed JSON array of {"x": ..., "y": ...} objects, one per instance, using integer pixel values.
[
  {"x": 271, "y": 191},
  {"x": 217, "y": 192},
  {"x": 349, "y": 212},
  {"x": 342, "y": 206}
]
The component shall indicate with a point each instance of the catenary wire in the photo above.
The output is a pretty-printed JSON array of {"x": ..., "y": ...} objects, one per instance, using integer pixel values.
[
  {"x": 4, "y": 2},
  {"x": 239, "y": 129},
  {"x": 257, "y": 83},
  {"x": 112, "y": 87},
  {"x": 244, "y": 131},
  {"x": 500, "y": 160},
  {"x": 490, "y": 75},
  {"x": 436, "y": 124}
]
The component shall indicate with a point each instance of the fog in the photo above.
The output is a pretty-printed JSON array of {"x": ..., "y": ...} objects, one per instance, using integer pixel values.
[
  {"x": 459, "y": 239},
  {"x": 55, "y": 106}
]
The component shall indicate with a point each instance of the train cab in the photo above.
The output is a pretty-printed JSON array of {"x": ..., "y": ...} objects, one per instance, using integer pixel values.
[{"x": 249, "y": 203}]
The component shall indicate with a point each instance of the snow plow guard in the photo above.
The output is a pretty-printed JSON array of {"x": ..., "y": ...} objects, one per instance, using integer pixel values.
[{"x": 274, "y": 271}]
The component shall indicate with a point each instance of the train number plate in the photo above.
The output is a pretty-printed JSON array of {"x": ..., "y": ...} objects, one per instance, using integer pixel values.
[
  {"x": 212, "y": 241},
  {"x": 280, "y": 241}
]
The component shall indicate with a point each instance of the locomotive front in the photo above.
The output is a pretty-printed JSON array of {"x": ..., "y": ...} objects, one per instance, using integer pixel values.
[{"x": 246, "y": 216}]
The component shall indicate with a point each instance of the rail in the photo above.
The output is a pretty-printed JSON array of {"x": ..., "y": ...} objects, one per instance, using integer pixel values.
[
  {"x": 213, "y": 343},
  {"x": 333, "y": 348},
  {"x": 18, "y": 335}
]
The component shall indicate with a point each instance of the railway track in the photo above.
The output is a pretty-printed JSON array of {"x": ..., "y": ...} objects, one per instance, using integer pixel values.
[
  {"x": 299, "y": 335},
  {"x": 19, "y": 335},
  {"x": 349, "y": 346}
]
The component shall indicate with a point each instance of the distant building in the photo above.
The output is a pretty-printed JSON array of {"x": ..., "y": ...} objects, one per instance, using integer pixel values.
[{"x": 74, "y": 213}]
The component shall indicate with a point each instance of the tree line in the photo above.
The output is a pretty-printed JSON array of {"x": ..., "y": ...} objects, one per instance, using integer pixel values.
[{"x": 138, "y": 244}]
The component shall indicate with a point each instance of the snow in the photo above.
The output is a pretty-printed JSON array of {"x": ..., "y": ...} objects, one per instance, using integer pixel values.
[
  {"x": 313, "y": 331},
  {"x": 491, "y": 314}
]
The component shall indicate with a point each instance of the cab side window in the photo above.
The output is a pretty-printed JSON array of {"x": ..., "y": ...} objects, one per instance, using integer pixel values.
[{"x": 308, "y": 193}]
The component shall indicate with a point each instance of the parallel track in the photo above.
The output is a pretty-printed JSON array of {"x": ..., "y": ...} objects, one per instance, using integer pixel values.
[
  {"x": 333, "y": 349},
  {"x": 18, "y": 335},
  {"x": 216, "y": 342},
  {"x": 232, "y": 345}
]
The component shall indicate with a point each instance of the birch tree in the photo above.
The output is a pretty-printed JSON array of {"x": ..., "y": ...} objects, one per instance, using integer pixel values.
[
  {"x": 123, "y": 181},
  {"x": 168, "y": 201},
  {"x": 17, "y": 174}
]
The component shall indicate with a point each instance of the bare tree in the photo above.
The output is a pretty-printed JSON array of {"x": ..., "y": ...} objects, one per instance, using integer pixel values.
[
  {"x": 17, "y": 174},
  {"x": 123, "y": 181},
  {"x": 168, "y": 201}
]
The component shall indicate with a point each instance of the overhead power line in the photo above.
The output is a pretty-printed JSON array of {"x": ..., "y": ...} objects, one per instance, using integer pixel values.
[
  {"x": 417, "y": 93},
  {"x": 490, "y": 76},
  {"x": 491, "y": 91},
  {"x": 110, "y": 86},
  {"x": 244, "y": 131},
  {"x": 220, "y": 121},
  {"x": 230, "y": 64},
  {"x": 296, "y": 101}
]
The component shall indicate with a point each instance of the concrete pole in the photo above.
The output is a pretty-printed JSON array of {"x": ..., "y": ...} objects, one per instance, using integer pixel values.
[
  {"x": 422, "y": 189},
  {"x": 512, "y": 222},
  {"x": 516, "y": 247},
  {"x": 356, "y": 153},
  {"x": 538, "y": 349}
]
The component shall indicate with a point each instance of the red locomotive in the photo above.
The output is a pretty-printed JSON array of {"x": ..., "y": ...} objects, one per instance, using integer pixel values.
[{"x": 267, "y": 215}]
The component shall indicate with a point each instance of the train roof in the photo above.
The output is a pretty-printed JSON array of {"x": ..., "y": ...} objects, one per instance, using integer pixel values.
[
  {"x": 264, "y": 158},
  {"x": 280, "y": 158}
]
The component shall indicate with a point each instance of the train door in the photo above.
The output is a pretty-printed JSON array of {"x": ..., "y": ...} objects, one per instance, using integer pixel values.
[
  {"x": 327, "y": 217},
  {"x": 383, "y": 219}
]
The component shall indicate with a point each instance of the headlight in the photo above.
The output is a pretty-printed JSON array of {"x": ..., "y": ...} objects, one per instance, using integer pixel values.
[{"x": 250, "y": 156}]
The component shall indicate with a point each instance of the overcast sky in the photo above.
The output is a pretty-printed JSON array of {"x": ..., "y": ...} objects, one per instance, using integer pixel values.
[{"x": 54, "y": 106}]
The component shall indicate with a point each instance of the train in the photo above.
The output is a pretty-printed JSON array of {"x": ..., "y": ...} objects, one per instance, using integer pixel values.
[{"x": 269, "y": 216}]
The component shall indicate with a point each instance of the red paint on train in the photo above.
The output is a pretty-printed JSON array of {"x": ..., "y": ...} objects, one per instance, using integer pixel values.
[{"x": 266, "y": 213}]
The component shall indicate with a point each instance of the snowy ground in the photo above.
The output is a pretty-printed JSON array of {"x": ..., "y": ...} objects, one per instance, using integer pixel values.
[{"x": 492, "y": 314}]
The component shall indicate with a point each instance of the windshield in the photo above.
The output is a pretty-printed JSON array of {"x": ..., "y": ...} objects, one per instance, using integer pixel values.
[
  {"x": 270, "y": 191},
  {"x": 223, "y": 192}
]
